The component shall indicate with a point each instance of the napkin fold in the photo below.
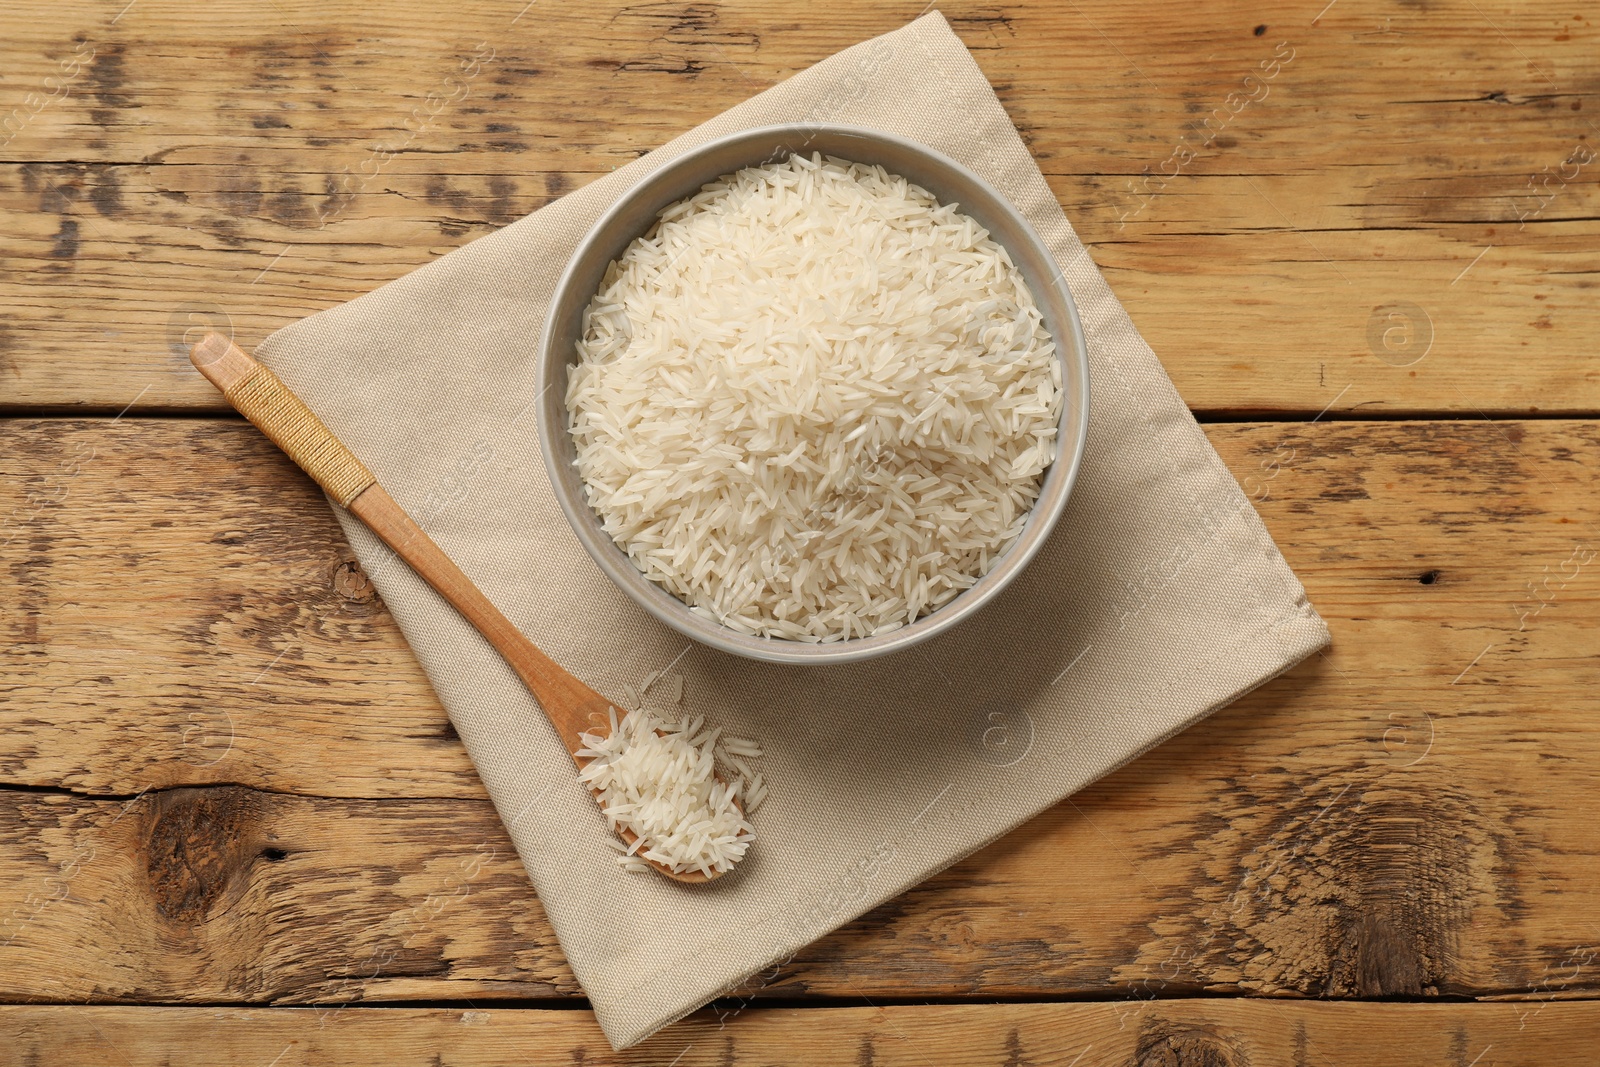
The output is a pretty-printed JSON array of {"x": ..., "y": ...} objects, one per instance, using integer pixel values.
[{"x": 1159, "y": 598}]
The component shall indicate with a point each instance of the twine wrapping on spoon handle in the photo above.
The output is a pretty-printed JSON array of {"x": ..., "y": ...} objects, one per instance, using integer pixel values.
[{"x": 260, "y": 396}]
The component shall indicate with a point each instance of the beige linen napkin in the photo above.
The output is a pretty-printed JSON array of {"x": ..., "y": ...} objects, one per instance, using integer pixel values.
[{"x": 1159, "y": 599}]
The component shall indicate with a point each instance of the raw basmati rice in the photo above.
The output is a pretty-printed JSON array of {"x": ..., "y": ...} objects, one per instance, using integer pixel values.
[
  {"x": 657, "y": 780},
  {"x": 739, "y": 746},
  {"x": 812, "y": 402}
]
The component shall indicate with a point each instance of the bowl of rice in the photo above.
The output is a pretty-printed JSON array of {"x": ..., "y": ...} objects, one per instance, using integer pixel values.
[{"x": 812, "y": 394}]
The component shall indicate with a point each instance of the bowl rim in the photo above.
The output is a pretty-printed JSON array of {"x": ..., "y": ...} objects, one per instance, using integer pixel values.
[{"x": 661, "y": 604}]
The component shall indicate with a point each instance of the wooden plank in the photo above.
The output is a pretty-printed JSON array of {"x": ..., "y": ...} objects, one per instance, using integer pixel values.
[
  {"x": 216, "y": 167},
  {"x": 1411, "y": 814},
  {"x": 169, "y": 613},
  {"x": 1184, "y": 1033},
  {"x": 234, "y": 894}
]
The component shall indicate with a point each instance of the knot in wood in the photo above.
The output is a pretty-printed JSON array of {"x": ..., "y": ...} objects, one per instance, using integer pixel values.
[
  {"x": 1168, "y": 1044},
  {"x": 352, "y": 583},
  {"x": 199, "y": 848}
]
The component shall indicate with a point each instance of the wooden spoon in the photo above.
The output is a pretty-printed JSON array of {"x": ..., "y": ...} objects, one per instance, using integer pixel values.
[{"x": 258, "y": 394}]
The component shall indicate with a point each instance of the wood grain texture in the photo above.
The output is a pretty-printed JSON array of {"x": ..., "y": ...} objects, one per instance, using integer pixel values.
[
  {"x": 1407, "y": 184},
  {"x": 1409, "y": 815},
  {"x": 1184, "y": 1033}
]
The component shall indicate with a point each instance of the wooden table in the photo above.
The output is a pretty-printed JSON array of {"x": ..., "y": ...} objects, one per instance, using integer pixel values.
[{"x": 1363, "y": 237}]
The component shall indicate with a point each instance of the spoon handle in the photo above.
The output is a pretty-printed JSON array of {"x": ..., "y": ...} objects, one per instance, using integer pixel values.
[{"x": 262, "y": 398}]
